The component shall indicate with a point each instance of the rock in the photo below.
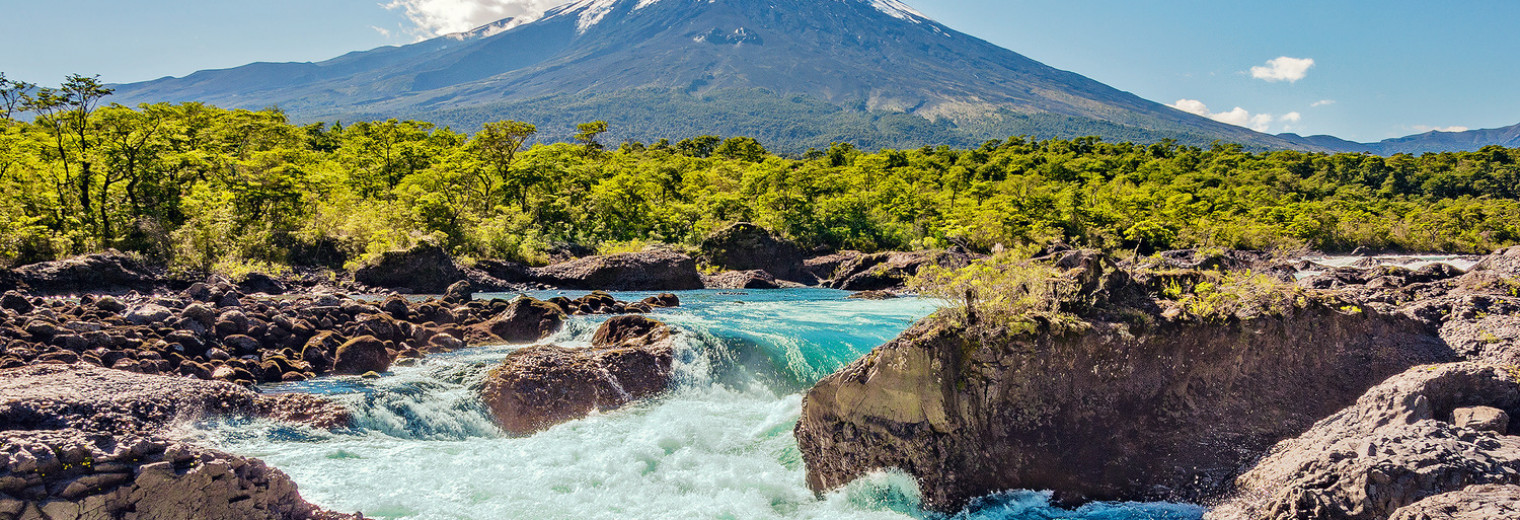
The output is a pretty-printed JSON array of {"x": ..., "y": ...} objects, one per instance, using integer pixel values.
[
  {"x": 1130, "y": 406},
  {"x": 98, "y": 399},
  {"x": 524, "y": 320},
  {"x": 654, "y": 270},
  {"x": 241, "y": 345},
  {"x": 304, "y": 409},
  {"x": 360, "y": 355},
  {"x": 425, "y": 268},
  {"x": 71, "y": 474},
  {"x": 150, "y": 314},
  {"x": 885, "y": 271},
  {"x": 873, "y": 295},
  {"x": 1393, "y": 448},
  {"x": 509, "y": 272},
  {"x": 747, "y": 247},
  {"x": 821, "y": 270},
  {"x": 261, "y": 283},
  {"x": 1482, "y": 418},
  {"x": 102, "y": 272},
  {"x": 741, "y": 280},
  {"x": 664, "y": 300},
  {"x": 200, "y": 313},
  {"x": 110, "y": 304},
  {"x": 459, "y": 293},
  {"x": 1472, "y": 503},
  {"x": 16, "y": 301},
  {"x": 1503, "y": 262},
  {"x": 541, "y": 386},
  {"x": 1212, "y": 260}
]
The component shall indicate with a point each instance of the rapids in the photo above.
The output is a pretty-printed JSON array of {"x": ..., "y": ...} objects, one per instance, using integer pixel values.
[{"x": 719, "y": 446}]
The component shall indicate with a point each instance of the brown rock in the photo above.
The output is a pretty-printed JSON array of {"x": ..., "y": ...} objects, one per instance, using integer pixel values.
[
  {"x": 1493, "y": 502},
  {"x": 360, "y": 355},
  {"x": 747, "y": 247},
  {"x": 425, "y": 268},
  {"x": 654, "y": 270},
  {"x": 524, "y": 320},
  {"x": 541, "y": 386}
]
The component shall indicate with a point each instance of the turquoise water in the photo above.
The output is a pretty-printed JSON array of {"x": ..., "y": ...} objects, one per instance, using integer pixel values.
[{"x": 719, "y": 446}]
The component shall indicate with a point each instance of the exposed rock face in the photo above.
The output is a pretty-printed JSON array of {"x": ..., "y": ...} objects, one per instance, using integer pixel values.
[
  {"x": 741, "y": 280},
  {"x": 425, "y": 268},
  {"x": 459, "y": 293},
  {"x": 58, "y": 475},
  {"x": 524, "y": 320},
  {"x": 110, "y": 271},
  {"x": 1473, "y": 503},
  {"x": 748, "y": 247},
  {"x": 541, "y": 386},
  {"x": 654, "y": 270},
  {"x": 1395, "y": 447},
  {"x": 821, "y": 270},
  {"x": 1138, "y": 406},
  {"x": 884, "y": 271}
]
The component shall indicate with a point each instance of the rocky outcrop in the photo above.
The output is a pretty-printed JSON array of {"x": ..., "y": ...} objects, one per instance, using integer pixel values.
[
  {"x": 538, "y": 387},
  {"x": 524, "y": 320},
  {"x": 741, "y": 280},
  {"x": 886, "y": 271},
  {"x": 361, "y": 355},
  {"x": 1395, "y": 447},
  {"x": 110, "y": 271},
  {"x": 1141, "y": 402},
  {"x": 70, "y": 474},
  {"x": 652, "y": 270},
  {"x": 820, "y": 270},
  {"x": 86, "y": 397},
  {"x": 1473, "y": 503},
  {"x": 425, "y": 268},
  {"x": 748, "y": 247}
]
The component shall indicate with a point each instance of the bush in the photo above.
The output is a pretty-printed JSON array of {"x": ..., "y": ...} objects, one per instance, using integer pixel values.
[{"x": 1005, "y": 289}]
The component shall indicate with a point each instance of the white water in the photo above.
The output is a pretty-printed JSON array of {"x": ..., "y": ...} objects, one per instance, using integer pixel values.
[{"x": 719, "y": 446}]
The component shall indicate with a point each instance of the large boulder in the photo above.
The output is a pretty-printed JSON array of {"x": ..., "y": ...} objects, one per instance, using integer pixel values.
[
  {"x": 741, "y": 280},
  {"x": 110, "y": 271},
  {"x": 541, "y": 386},
  {"x": 362, "y": 355},
  {"x": 652, "y": 270},
  {"x": 425, "y": 268},
  {"x": 1396, "y": 446},
  {"x": 887, "y": 271},
  {"x": 71, "y": 474},
  {"x": 525, "y": 320},
  {"x": 1136, "y": 403},
  {"x": 747, "y": 247}
]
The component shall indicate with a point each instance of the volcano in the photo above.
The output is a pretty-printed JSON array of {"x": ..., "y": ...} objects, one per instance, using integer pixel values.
[{"x": 793, "y": 73}]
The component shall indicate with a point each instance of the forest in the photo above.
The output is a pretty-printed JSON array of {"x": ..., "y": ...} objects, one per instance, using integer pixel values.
[{"x": 203, "y": 189}]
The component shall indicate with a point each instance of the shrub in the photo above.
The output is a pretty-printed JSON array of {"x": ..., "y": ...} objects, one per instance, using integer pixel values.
[{"x": 1005, "y": 289}]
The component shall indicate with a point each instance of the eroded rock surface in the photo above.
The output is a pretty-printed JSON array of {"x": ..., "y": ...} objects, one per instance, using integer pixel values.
[
  {"x": 885, "y": 271},
  {"x": 653, "y": 270},
  {"x": 748, "y": 247},
  {"x": 1395, "y": 447},
  {"x": 1493, "y": 502},
  {"x": 540, "y": 386}
]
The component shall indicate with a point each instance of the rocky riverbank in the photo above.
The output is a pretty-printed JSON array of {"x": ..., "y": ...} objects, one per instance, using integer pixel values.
[{"x": 1157, "y": 395}]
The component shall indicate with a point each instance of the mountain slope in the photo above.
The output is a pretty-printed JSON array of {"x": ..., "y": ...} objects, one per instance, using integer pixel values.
[
  {"x": 1429, "y": 142},
  {"x": 861, "y": 70}
]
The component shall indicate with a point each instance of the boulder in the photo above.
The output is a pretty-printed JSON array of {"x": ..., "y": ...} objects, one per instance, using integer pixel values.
[
  {"x": 1493, "y": 502},
  {"x": 873, "y": 295},
  {"x": 361, "y": 355},
  {"x": 887, "y": 271},
  {"x": 538, "y": 387},
  {"x": 1129, "y": 405},
  {"x": 741, "y": 280},
  {"x": 150, "y": 314},
  {"x": 459, "y": 293},
  {"x": 525, "y": 320},
  {"x": 653, "y": 270},
  {"x": 747, "y": 247},
  {"x": 821, "y": 270},
  {"x": 110, "y": 271},
  {"x": 663, "y": 300},
  {"x": 16, "y": 301},
  {"x": 261, "y": 283},
  {"x": 425, "y": 268},
  {"x": 72, "y": 474},
  {"x": 1396, "y": 446}
]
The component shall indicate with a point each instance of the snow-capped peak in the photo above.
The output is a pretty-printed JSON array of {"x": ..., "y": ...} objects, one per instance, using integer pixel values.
[
  {"x": 591, "y": 12},
  {"x": 898, "y": 10}
]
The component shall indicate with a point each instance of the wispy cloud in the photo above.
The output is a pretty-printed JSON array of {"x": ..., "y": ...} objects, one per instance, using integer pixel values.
[
  {"x": 440, "y": 17},
  {"x": 1426, "y": 128},
  {"x": 1290, "y": 117},
  {"x": 1238, "y": 116},
  {"x": 1323, "y": 103},
  {"x": 383, "y": 31},
  {"x": 1283, "y": 69}
]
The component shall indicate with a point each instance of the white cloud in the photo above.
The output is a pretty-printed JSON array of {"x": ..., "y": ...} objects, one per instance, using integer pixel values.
[
  {"x": 1291, "y": 117},
  {"x": 1426, "y": 128},
  {"x": 440, "y": 17},
  {"x": 1283, "y": 69},
  {"x": 1238, "y": 116},
  {"x": 1323, "y": 103},
  {"x": 383, "y": 31}
]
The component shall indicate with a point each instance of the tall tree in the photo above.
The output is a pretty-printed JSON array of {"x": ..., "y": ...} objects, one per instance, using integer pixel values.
[
  {"x": 498, "y": 145},
  {"x": 587, "y": 134}
]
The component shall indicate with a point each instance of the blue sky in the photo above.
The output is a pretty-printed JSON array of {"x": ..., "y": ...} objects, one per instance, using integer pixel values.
[{"x": 1380, "y": 69}]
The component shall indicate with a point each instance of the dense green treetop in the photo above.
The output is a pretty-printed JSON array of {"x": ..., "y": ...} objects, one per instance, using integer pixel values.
[{"x": 203, "y": 188}]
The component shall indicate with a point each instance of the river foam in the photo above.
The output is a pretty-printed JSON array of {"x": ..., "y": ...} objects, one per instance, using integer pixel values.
[{"x": 718, "y": 446}]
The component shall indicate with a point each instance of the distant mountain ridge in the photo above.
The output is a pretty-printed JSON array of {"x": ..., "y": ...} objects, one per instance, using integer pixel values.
[
  {"x": 1428, "y": 142},
  {"x": 793, "y": 73}
]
